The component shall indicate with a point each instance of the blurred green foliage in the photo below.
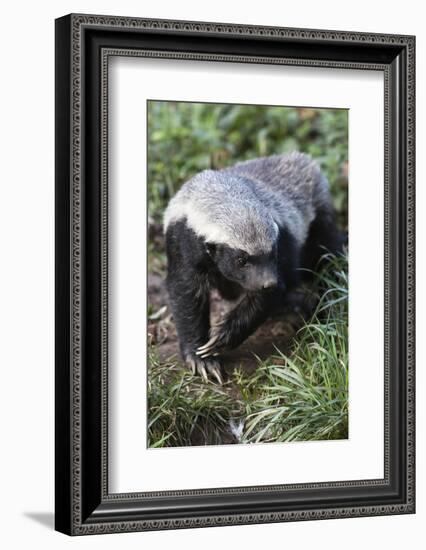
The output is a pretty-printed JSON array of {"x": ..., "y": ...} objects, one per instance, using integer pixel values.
[{"x": 185, "y": 138}]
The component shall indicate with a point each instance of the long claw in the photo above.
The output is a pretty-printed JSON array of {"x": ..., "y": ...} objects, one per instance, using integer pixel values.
[
  {"x": 192, "y": 365},
  {"x": 205, "y": 367},
  {"x": 203, "y": 372},
  {"x": 212, "y": 340},
  {"x": 208, "y": 349},
  {"x": 215, "y": 371},
  {"x": 205, "y": 353}
]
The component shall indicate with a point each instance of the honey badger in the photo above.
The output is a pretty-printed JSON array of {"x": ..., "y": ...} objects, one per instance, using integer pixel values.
[{"x": 246, "y": 231}]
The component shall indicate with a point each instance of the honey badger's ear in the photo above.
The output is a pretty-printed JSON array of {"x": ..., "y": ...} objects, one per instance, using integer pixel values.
[{"x": 210, "y": 249}]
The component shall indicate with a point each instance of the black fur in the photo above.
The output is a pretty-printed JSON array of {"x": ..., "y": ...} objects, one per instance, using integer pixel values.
[
  {"x": 323, "y": 237},
  {"x": 188, "y": 286}
]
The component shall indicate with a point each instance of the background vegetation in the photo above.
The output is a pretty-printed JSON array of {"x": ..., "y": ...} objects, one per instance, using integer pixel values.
[
  {"x": 185, "y": 138},
  {"x": 297, "y": 396}
]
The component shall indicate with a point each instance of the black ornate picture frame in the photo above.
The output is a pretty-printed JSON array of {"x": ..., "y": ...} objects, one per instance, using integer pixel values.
[{"x": 84, "y": 43}]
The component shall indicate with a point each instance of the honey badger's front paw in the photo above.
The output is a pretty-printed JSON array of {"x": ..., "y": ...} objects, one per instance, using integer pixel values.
[
  {"x": 219, "y": 340},
  {"x": 204, "y": 367}
]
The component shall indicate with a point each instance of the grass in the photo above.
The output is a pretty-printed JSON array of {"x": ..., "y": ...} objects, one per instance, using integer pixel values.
[
  {"x": 302, "y": 396},
  {"x": 183, "y": 410}
]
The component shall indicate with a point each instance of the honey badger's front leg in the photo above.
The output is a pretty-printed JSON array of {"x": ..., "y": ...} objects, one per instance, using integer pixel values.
[
  {"x": 239, "y": 323},
  {"x": 189, "y": 298}
]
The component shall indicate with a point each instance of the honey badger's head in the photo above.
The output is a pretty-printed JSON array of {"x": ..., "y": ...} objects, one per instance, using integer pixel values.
[
  {"x": 251, "y": 271},
  {"x": 247, "y": 255},
  {"x": 237, "y": 227}
]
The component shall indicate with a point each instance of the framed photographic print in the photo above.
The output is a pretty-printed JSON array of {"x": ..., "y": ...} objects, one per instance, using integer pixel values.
[{"x": 234, "y": 274}]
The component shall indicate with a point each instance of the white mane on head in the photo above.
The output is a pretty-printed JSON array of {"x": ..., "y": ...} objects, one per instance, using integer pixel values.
[
  {"x": 223, "y": 209},
  {"x": 243, "y": 205}
]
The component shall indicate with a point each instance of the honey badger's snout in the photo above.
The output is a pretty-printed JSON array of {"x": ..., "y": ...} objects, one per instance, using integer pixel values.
[
  {"x": 270, "y": 282},
  {"x": 263, "y": 277}
]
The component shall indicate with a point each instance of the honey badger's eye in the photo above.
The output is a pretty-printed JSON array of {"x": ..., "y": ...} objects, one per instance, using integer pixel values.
[{"x": 242, "y": 261}]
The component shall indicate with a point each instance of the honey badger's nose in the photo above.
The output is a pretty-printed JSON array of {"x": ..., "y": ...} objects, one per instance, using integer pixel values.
[{"x": 270, "y": 282}]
